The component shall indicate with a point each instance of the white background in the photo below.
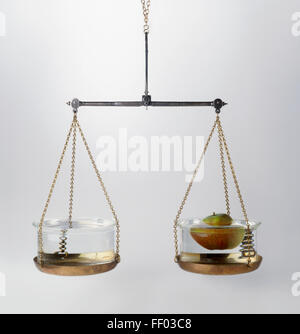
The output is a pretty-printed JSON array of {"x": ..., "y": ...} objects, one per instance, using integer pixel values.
[{"x": 241, "y": 51}]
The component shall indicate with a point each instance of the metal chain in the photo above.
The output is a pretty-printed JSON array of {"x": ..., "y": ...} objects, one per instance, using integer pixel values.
[
  {"x": 234, "y": 175},
  {"x": 175, "y": 227},
  {"x": 40, "y": 231},
  {"x": 104, "y": 191},
  {"x": 223, "y": 165},
  {"x": 72, "y": 173},
  {"x": 63, "y": 238},
  {"x": 249, "y": 232},
  {"x": 146, "y": 10}
]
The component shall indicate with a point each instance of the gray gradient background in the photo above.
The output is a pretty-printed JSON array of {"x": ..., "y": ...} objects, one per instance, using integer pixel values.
[{"x": 242, "y": 51}]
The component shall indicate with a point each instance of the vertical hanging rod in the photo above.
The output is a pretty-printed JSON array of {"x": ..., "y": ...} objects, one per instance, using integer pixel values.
[
  {"x": 146, "y": 64},
  {"x": 146, "y": 100}
]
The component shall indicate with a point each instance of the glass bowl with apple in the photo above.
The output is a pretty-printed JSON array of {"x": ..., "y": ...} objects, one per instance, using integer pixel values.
[{"x": 218, "y": 245}]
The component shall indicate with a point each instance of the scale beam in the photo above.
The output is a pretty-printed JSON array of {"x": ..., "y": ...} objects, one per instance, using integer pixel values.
[{"x": 147, "y": 102}]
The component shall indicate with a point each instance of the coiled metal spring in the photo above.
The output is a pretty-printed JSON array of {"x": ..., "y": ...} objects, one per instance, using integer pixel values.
[
  {"x": 247, "y": 246},
  {"x": 63, "y": 243}
]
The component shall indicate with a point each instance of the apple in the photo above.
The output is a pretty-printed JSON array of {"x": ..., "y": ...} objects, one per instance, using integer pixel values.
[
  {"x": 218, "y": 238},
  {"x": 220, "y": 219},
  {"x": 219, "y": 234}
]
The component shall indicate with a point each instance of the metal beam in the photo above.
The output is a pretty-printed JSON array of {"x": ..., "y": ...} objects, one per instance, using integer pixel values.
[{"x": 147, "y": 102}]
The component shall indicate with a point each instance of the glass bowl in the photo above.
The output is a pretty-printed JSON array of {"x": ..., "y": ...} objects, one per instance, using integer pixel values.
[{"x": 82, "y": 246}]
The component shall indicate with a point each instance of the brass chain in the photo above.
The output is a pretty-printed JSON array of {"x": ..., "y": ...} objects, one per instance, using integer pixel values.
[
  {"x": 146, "y": 10},
  {"x": 223, "y": 165},
  {"x": 104, "y": 191},
  {"x": 222, "y": 144},
  {"x": 75, "y": 124},
  {"x": 40, "y": 230},
  {"x": 72, "y": 172},
  {"x": 175, "y": 227},
  {"x": 234, "y": 175},
  {"x": 63, "y": 238},
  {"x": 249, "y": 232}
]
